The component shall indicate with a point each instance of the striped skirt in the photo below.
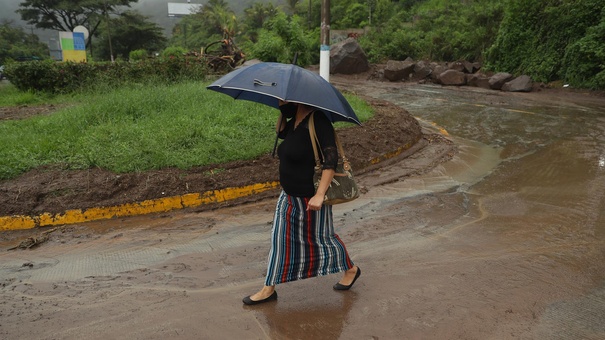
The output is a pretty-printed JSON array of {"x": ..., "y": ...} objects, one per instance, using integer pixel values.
[{"x": 303, "y": 243}]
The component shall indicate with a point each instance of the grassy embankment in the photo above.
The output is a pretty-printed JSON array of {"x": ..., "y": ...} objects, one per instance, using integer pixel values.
[{"x": 138, "y": 128}]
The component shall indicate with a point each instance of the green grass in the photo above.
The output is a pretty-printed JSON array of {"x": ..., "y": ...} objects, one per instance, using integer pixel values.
[
  {"x": 137, "y": 128},
  {"x": 10, "y": 96}
]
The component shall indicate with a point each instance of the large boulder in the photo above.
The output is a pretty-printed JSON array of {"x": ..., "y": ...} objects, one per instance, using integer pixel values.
[
  {"x": 347, "y": 57},
  {"x": 519, "y": 84},
  {"x": 499, "y": 79},
  {"x": 464, "y": 66},
  {"x": 470, "y": 67},
  {"x": 438, "y": 69},
  {"x": 458, "y": 66},
  {"x": 421, "y": 70},
  {"x": 478, "y": 80},
  {"x": 398, "y": 70},
  {"x": 476, "y": 66},
  {"x": 452, "y": 77}
]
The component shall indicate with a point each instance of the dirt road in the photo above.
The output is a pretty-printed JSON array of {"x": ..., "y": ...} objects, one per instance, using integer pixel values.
[{"x": 505, "y": 241}]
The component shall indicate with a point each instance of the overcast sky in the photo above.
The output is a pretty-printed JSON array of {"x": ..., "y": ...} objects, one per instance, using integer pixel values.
[{"x": 157, "y": 10}]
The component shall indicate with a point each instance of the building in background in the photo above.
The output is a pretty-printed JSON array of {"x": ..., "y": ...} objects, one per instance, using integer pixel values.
[{"x": 180, "y": 9}]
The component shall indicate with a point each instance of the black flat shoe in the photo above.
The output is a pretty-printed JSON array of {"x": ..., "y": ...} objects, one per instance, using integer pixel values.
[
  {"x": 248, "y": 301},
  {"x": 338, "y": 286}
]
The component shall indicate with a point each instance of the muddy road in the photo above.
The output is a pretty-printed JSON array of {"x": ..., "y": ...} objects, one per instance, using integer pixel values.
[{"x": 505, "y": 241}]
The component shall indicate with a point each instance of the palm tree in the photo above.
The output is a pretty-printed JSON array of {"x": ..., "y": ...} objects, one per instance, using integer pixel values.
[
  {"x": 220, "y": 17},
  {"x": 292, "y": 5},
  {"x": 258, "y": 14}
]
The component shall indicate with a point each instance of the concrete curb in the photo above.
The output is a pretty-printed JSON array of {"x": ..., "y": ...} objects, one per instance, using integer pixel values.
[
  {"x": 165, "y": 204},
  {"x": 132, "y": 209}
]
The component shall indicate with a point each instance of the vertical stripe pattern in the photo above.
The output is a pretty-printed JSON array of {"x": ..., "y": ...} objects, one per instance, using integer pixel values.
[{"x": 303, "y": 243}]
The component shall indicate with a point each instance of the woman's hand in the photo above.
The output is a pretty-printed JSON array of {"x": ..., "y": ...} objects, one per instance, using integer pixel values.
[{"x": 315, "y": 202}]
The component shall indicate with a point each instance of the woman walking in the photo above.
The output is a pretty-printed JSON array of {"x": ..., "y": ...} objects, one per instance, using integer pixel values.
[{"x": 303, "y": 242}]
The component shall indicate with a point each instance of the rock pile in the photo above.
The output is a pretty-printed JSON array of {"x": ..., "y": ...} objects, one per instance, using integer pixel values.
[
  {"x": 347, "y": 57},
  {"x": 455, "y": 74}
]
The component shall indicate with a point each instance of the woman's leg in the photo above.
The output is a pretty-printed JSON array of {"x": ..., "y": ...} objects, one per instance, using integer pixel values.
[
  {"x": 269, "y": 287},
  {"x": 352, "y": 273}
]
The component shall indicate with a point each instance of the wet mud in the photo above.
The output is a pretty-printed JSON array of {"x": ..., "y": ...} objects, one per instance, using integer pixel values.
[{"x": 504, "y": 241}]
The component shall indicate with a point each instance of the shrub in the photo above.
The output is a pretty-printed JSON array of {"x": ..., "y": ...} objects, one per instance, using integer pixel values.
[
  {"x": 281, "y": 38},
  {"x": 549, "y": 40},
  {"x": 64, "y": 77},
  {"x": 49, "y": 76},
  {"x": 173, "y": 51},
  {"x": 584, "y": 61},
  {"x": 270, "y": 47},
  {"x": 138, "y": 55}
]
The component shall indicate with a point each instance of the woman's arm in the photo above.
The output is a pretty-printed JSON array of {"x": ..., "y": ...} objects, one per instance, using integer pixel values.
[
  {"x": 325, "y": 134},
  {"x": 317, "y": 201}
]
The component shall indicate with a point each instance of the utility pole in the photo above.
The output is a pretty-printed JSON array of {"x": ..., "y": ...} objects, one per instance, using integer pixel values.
[
  {"x": 324, "y": 51},
  {"x": 90, "y": 45},
  {"x": 108, "y": 32},
  {"x": 309, "y": 16},
  {"x": 184, "y": 33}
]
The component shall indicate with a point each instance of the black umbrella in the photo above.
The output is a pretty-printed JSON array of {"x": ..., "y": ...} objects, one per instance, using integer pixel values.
[{"x": 267, "y": 83}]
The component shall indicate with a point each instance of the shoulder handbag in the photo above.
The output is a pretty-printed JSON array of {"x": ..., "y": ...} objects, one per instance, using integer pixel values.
[{"x": 343, "y": 187}]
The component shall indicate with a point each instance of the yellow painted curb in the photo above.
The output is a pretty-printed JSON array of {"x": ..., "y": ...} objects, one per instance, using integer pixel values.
[
  {"x": 392, "y": 154},
  {"x": 131, "y": 209},
  {"x": 154, "y": 205}
]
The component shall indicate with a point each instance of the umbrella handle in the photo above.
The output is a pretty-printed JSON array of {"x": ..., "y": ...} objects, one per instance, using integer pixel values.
[
  {"x": 277, "y": 134},
  {"x": 275, "y": 146}
]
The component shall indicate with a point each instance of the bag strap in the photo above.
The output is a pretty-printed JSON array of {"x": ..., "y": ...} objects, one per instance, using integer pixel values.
[{"x": 316, "y": 146}]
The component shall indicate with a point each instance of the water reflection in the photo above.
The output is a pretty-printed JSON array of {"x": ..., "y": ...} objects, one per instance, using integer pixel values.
[{"x": 310, "y": 317}]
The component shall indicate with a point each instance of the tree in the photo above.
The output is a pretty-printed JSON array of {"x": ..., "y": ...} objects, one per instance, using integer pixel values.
[
  {"x": 291, "y": 5},
  {"x": 16, "y": 43},
  {"x": 255, "y": 17},
  {"x": 64, "y": 15},
  {"x": 220, "y": 17},
  {"x": 257, "y": 14},
  {"x": 282, "y": 37},
  {"x": 434, "y": 29},
  {"x": 535, "y": 35},
  {"x": 190, "y": 33},
  {"x": 584, "y": 62},
  {"x": 129, "y": 32},
  {"x": 211, "y": 23}
]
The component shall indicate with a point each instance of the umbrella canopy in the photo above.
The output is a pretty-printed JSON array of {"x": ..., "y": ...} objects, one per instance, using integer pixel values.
[{"x": 267, "y": 83}]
